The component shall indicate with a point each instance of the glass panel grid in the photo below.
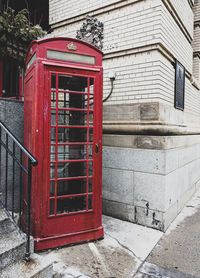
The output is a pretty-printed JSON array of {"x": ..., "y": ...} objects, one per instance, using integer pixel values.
[{"x": 68, "y": 181}]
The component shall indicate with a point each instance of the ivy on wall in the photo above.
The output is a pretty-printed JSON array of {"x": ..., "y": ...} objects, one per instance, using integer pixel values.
[{"x": 16, "y": 33}]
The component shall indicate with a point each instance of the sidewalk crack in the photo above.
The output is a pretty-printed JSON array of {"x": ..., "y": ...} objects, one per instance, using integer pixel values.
[{"x": 123, "y": 246}]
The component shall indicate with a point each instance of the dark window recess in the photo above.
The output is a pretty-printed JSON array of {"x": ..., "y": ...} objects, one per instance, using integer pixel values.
[
  {"x": 179, "y": 86},
  {"x": 1, "y": 6},
  {"x": 10, "y": 78},
  {"x": 38, "y": 9}
]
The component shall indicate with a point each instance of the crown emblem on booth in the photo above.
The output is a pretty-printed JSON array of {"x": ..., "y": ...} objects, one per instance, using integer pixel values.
[{"x": 72, "y": 46}]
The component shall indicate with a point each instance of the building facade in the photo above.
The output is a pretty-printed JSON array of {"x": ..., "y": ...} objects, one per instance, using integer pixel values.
[{"x": 151, "y": 149}]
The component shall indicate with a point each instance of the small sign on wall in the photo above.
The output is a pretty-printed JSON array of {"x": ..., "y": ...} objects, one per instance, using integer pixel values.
[{"x": 179, "y": 85}]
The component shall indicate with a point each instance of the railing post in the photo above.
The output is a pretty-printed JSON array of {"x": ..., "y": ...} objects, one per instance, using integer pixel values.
[
  {"x": 13, "y": 182},
  {"x": 0, "y": 165},
  {"x": 20, "y": 191},
  {"x": 28, "y": 215},
  {"x": 6, "y": 177}
]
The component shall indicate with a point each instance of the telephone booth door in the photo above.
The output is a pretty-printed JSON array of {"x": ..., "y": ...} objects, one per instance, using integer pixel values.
[
  {"x": 63, "y": 130},
  {"x": 72, "y": 167}
]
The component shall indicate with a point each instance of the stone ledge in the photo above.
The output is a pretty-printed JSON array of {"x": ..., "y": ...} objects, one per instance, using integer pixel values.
[
  {"x": 149, "y": 129},
  {"x": 149, "y": 142},
  {"x": 151, "y": 118}
]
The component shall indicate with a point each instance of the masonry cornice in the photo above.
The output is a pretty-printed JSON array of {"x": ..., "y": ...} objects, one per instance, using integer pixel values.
[
  {"x": 150, "y": 128},
  {"x": 177, "y": 19},
  {"x": 117, "y": 5}
]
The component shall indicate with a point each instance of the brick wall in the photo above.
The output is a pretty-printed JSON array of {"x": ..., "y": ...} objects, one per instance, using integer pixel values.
[
  {"x": 184, "y": 13},
  {"x": 141, "y": 41}
]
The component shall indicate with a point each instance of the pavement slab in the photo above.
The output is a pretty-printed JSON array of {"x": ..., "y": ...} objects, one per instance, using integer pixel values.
[
  {"x": 148, "y": 270},
  {"x": 119, "y": 255}
]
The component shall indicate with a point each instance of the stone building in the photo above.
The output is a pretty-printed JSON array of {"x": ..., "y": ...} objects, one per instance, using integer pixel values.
[{"x": 151, "y": 149}]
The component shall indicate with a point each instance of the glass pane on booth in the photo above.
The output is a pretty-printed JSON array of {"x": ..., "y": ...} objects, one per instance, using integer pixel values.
[
  {"x": 52, "y": 171},
  {"x": 72, "y": 83},
  {"x": 73, "y": 100},
  {"x": 53, "y": 117},
  {"x": 90, "y": 185},
  {"x": 72, "y": 152},
  {"x": 69, "y": 187},
  {"x": 53, "y": 99},
  {"x": 53, "y": 135},
  {"x": 53, "y": 153},
  {"x": 76, "y": 135},
  {"x": 52, "y": 188},
  {"x": 71, "y": 169},
  {"x": 53, "y": 81},
  {"x": 90, "y": 202},
  {"x": 72, "y": 204},
  {"x": 91, "y": 88},
  {"x": 76, "y": 118}
]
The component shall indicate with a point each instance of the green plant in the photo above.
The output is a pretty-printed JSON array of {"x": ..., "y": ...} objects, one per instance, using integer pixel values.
[{"x": 16, "y": 32}]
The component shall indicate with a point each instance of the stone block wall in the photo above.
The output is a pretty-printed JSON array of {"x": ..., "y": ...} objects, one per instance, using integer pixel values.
[
  {"x": 12, "y": 116},
  {"x": 148, "y": 179}
]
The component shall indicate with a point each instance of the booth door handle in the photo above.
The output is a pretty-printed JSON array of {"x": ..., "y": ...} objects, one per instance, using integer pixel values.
[{"x": 96, "y": 148}]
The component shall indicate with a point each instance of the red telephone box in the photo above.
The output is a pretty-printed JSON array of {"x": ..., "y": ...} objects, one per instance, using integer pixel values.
[{"x": 63, "y": 130}]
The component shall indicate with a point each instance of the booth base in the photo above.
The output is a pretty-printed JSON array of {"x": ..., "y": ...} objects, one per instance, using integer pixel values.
[{"x": 66, "y": 239}]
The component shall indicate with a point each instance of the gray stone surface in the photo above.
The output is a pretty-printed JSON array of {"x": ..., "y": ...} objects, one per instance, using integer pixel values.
[
  {"x": 118, "y": 210},
  {"x": 149, "y": 190},
  {"x": 179, "y": 247},
  {"x": 150, "y": 141},
  {"x": 148, "y": 161},
  {"x": 118, "y": 185},
  {"x": 119, "y": 254},
  {"x": 150, "y": 218},
  {"x": 38, "y": 267},
  {"x": 72, "y": 272},
  {"x": 6, "y": 224},
  {"x": 148, "y": 270},
  {"x": 12, "y": 248},
  {"x": 121, "y": 112},
  {"x": 138, "y": 181},
  {"x": 150, "y": 118},
  {"x": 149, "y": 111},
  {"x": 12, "y": 115},
  {"x": 12, "y": 253}
]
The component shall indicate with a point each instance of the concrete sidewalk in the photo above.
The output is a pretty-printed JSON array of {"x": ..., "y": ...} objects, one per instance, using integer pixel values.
[
  {"x": 124, "y": 247},
  {"x": 129, "y": 250}
]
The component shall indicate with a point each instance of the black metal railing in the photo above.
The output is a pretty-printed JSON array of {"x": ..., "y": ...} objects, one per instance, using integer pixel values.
[{"x": 15, "y": 181}]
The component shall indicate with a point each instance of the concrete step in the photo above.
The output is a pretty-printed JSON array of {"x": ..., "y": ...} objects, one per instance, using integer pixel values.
[
  {"x": 12, "y": 249},
  {"x": 6, "y": 224},
  {"x": 38, "y": 267}
]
